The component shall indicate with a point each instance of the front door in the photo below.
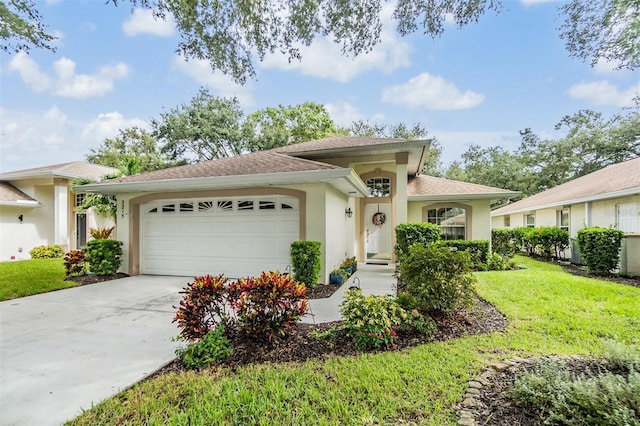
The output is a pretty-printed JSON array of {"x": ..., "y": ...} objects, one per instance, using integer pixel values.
[
  {"x": 81, "y": 230},
  {"x": 378, "y": 228}
]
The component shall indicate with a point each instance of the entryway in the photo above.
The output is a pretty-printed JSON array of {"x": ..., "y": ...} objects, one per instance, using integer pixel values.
[{"x": 378, "y": 232}]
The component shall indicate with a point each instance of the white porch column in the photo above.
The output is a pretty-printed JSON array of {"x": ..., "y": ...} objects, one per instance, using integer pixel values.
[{"x": 61, "y": 214}]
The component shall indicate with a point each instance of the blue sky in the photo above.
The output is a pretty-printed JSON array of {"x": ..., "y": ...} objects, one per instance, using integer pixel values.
[{"x": 476, "y": 85}]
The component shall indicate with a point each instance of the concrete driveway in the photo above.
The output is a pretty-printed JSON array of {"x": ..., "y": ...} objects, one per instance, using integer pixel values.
[{"x": 63, "y": 351}]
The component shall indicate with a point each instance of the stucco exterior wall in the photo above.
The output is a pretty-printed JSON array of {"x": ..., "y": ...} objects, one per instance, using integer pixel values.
[
  {"x": 480, "y": 228},
  {"x": 337, "y": 235}
]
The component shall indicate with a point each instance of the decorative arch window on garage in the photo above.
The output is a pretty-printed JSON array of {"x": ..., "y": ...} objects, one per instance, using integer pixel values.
[
  {"x": 223, "y": 206},
  {"x": 452, "y": 222}
]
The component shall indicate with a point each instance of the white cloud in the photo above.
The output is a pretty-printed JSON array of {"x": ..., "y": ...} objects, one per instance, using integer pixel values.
[
  {"x": 603, "y": 93},
  {"x": 143, "y": 22},
  {"x": 324, "y": 58},
  {"x": 107, "y": 125},
  {"x": 343, "y": 113},
  {"x": 51, "y": 136},
  {"x": 200, "y": 71},
  {"x": 66, "y": 82},
  {"x": 431, "y": 92}
]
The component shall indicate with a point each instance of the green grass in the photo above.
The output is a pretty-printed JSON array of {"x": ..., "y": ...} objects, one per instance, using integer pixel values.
[
  {"x": 550, "y": 312},
  {"x": 27, "y": 277}
]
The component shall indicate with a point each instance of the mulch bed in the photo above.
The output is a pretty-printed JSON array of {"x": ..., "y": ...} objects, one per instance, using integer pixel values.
[
  {"x": 322, "y": 291},
  {"x": 301, "y": 345},
  {"x": 583, "y": 272},
  {"x": 93, "y": 279}
]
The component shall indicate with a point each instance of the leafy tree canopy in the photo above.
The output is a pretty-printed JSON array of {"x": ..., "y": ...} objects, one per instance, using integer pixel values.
[
  {"x": 273, "y": 127},
  {"x": 591, "y": 143},
  {"x": 21, "y": 27},
  {"x": 133, "y": 151}
]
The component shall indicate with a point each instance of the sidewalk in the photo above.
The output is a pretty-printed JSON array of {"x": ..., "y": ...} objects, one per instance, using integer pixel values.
[{"x": 372, "y": 279}]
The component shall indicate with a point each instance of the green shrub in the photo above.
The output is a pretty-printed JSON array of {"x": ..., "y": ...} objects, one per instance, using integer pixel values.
[
  {"x": 478, "y": 250},
  {"x": 499, "y": 263},
  {"x": 75, "y": 263},
  {"x": 266, "y": 306},
  {"x": 622, "y": 357},
  {"x": 544, "y": 241},
  {"x": 104, "y": 256},
  {"x": 305, "y": 259},
  {"x": 506, "y": 242},
  {"x": 46, "y": 252},
  {"x": 204, "y": 307},
  {"x": 587, "y": 398},
  {"x": 213, "y": 348},
  {"x": 438, "y": 277},
  {"x": 408, "y": 234},
  {"x": 600, "y": 249},
  {"x": 370, "y": 320}
]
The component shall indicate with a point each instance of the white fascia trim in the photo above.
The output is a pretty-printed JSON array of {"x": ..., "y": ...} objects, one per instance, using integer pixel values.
[
  {"x": 237, "y": 181},
  {"x": 387, "y": 147},
  {"x": 599, "y": 197},
  {"x": 21, "y": 203},
  {"x": 453, "y": 197}
]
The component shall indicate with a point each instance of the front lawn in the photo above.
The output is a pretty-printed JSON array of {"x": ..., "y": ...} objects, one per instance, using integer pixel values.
[
  {"x": 549, "y": 311},
  {"x": 27, "y": 277}
]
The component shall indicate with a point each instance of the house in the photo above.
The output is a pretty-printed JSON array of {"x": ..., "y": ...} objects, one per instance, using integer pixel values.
[
  {"x": 609, "y": 197},
  {"x": 38, "y": 207},
  {"x": 239, "y": 215}
]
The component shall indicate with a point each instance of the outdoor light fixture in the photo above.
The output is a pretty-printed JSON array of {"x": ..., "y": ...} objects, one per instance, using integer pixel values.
[
  {"x": 348, "y": 212},
  {"x": 20, "y": 218}
]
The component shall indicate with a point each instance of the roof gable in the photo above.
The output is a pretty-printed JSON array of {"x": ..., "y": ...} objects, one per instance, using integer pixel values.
[
  {"x": 10, "y": 195},
  {"x": 608, "y": 182}
]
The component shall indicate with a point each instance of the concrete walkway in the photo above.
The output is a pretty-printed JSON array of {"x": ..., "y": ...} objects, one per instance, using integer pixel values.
[{"x": 64, "y": 351}]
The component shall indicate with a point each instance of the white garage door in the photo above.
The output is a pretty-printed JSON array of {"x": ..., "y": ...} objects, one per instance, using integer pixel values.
[{"x": 237, "y": 236}]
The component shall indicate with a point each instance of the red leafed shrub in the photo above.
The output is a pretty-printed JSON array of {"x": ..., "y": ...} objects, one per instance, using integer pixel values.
[
  {"x": 268, "y": 305},
  {"x": 203, "y": 307},
  {"x": 75, "y": 263}
]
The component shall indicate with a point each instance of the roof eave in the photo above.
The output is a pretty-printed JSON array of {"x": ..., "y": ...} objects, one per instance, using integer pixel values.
[
  {"x": 493, "y": 196},
  {"x": 30, "y": 204},
  {"x": 590, "y": 198},
  {"x": 344, "y": 179}
]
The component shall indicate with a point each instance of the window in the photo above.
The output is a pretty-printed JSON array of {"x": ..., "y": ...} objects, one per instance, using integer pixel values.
[
  {"x": 379, "y": 187},
  {"x": 452, "y": 221},
  {"x": 205, "y": 205},
  {"x": 506, "y": 221},
  {"x": 562, "y": 219},
  {"x": 628, "y": 218},
  {"x": 267, "y": 205},
  {"x": 168, "y": 208},
  {"x": 225, "y": 205},
  {"x": 245, "y": 205},
  {"x": 530, "y": 220},
  {"x": 186, "y": 207},
  {"x": 80, "y": 199}
]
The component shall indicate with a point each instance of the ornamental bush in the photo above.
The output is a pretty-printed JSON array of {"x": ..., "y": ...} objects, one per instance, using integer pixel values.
[
  {"x": 478, "y": 250},
  {"x": 370, "y": 320},
  {"x": 46, "y": 252},
  {"x": 104, "y": 256},
  {"x": 600, "y": 249},
  {"x": 439, "y": 278},
  {"x": 408, "y": 234},
  {"x": 266, "y": 306},
  {"x": 305, "y": 259},
  {"x": 213, "y": 348},
  {"x": 506, "y": 242},
  {"x": 544, "y": 241},
  {"x": 204, "y": 306},
  {"x": 75, "y": 263}
]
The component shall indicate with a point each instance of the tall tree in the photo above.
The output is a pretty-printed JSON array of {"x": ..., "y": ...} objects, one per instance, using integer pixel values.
[
  {"x": 133, "y": 151},
  {"x": 603, "y": 29},
  {"x": 21, "y": 27},
  {"x": 432, "y": 164},
  {"x": 283, "y": 125},
  {"x": 206, "y": 128}
]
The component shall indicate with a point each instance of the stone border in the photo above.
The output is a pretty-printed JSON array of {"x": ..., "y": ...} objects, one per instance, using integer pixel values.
[{"x": 470, "y": 397}]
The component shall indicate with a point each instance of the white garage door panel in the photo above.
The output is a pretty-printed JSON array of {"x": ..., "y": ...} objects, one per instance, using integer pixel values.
[{"x": 207, "y": 239}]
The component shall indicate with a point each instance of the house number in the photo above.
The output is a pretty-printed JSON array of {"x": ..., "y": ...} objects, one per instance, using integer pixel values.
[{"x": 122, "y": 209}]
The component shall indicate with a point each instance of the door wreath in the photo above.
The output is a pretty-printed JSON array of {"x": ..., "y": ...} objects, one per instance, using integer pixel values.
[{"x": 379, "y": 219}]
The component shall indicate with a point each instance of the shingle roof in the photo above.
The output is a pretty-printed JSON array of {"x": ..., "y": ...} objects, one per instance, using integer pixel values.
[
  {"x": 338, "y": 142},
  {"x": 623, "y": 176},
  {"x": 261, "y": 162},
  {"x": 11, "y": 194},
  {"x": 74, "y": 169},
  {"x": 424, "y": 185}
]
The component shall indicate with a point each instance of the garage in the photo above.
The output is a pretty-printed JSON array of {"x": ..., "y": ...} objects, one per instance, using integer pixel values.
[{"x": 236, "y": 236}]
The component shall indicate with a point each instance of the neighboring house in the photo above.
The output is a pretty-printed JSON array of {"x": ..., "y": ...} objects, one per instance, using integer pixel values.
[
  {"x": 609, "y": 197},
  {"x": 38, "y": 207},
  {"x": 239, "y": 215}
]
